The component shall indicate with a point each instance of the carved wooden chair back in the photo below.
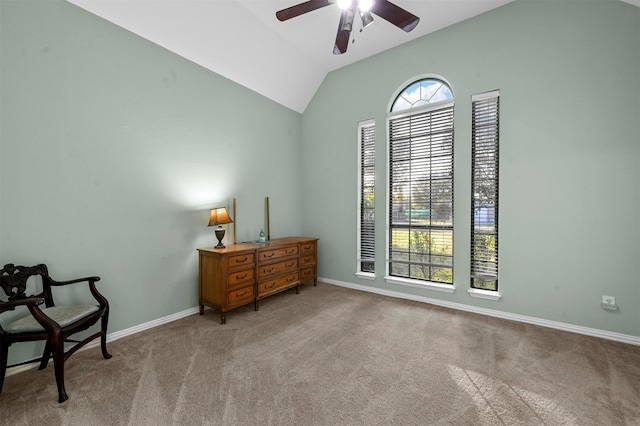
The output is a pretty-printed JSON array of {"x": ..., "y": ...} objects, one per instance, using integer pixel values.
[
  {"x": 45, "y": 321},
  {"x": 13, "y": 280}
]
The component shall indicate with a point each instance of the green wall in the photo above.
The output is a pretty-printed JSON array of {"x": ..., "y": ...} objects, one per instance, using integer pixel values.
[
  {"x": 569, "y": 77},
  {"x": 113, "y": 150}
]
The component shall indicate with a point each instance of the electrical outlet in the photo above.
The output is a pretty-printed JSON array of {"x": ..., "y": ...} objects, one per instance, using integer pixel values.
[
  {"x": 609, "y": 303},
  {"x": 610, "y": 300}
]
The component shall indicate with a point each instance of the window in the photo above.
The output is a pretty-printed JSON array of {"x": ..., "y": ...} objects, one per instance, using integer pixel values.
[
  {"x": 421, "y": 93},
  {"x": 485, "y": 136},
  {"x": 421, "y": 184},
  {"x": 366, "y": 198}
]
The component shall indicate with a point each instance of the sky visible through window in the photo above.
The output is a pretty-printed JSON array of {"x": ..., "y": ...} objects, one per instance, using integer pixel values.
[{"x": 420, "y": 93}]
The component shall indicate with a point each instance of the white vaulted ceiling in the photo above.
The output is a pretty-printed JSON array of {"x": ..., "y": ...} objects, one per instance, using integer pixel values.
[{"x": 284, "y": 61}]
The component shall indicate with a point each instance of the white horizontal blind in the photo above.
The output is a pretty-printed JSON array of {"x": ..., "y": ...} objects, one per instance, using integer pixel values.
[
  {"x": 367, "y": 249},
  {"x": 421, "y": 195},
  {"x": 485, "y": 135}
]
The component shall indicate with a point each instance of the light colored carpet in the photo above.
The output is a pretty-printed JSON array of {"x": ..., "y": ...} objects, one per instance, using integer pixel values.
[{"x": 335, "y": 356}]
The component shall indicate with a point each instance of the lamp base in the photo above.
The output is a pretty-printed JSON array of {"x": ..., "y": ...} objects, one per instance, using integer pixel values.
[{"x": 219, "y": 235}]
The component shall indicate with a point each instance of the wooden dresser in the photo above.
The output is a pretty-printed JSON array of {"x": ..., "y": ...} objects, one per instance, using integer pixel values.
[{"x": 245, "y": 273}]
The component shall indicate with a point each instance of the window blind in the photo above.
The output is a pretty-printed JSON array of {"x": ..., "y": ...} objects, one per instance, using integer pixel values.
[
  {"x": 421, "y": 194},
  {"x": 367, "y": 185},
  {"x": 485, "y": 137}
]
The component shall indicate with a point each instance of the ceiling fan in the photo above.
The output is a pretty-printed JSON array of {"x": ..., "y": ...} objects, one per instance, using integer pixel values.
[{"x": 383, "y": 8}]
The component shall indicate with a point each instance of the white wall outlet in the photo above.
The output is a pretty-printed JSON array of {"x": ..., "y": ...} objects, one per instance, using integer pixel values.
[{"x": 609, "y": 303}]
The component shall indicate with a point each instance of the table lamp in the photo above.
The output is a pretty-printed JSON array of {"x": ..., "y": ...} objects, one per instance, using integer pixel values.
[{"x": 219, "y": 216}]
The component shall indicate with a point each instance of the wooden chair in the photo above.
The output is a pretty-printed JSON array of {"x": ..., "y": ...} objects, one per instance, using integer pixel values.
[{"x": 54, "y": 324}]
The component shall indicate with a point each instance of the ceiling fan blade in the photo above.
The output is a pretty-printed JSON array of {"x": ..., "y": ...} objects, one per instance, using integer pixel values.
[
  {"x": 395, "y": 14},
  {"x": 342, "y": 37},
  {"x": 300, "y": 9}
]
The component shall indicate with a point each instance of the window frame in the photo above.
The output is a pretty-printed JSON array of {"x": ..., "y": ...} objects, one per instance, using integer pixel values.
[
  {"x": 486, "y": 108},
  {"x": 363, "y": 126},
  {"x": 391, "y": 116}
]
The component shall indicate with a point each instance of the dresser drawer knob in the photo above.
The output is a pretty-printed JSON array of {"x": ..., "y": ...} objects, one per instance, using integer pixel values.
[
  {"x": 244, "y": 259},
  {"x": 241, "y": 277},
  {"x": 241, "y": 294},
  {"x": 270, "y": 254}
]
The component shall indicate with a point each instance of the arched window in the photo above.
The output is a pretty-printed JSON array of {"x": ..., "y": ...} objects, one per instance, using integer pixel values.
[
  {"x": 420, "y": 239},
  {"x": 422, "y": 92}
]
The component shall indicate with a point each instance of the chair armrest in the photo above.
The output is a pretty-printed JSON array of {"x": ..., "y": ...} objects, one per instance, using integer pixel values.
[
  {"x": 92, "y": 287},
  {"x": 78, "y": 280}
]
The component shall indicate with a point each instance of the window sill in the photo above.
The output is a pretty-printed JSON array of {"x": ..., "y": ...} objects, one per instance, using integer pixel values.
[
  {"x": 484, "y": 294},
  {"x": 446, "y": 288},
  {"x": 366, "y": 275}
]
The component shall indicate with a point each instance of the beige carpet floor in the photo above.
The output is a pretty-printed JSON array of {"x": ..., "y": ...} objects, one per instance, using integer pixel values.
[{"x": 335, "y": 356}]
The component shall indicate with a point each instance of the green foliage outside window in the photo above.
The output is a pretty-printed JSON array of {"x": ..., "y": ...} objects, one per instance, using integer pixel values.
[{"x": 423, "y": 254}]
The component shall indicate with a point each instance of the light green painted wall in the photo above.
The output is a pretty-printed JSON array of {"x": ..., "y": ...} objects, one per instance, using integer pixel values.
[
  {"x": 113, "y": 150},
  {"x": 569, "y": 77}
]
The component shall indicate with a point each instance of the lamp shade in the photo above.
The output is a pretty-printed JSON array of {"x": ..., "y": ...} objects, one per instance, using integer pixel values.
[{"x": 219, "y": 216}]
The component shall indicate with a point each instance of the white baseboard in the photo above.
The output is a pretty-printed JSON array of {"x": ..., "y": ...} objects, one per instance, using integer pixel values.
[
  {"x": 618, "y": 337},
  {"x": 147, "y": 325},
  {"x": 115, "y": 336}
]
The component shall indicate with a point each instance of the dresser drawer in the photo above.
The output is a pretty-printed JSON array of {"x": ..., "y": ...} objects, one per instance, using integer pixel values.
[
  {"x": 267, "y": 255},
  {"x": 309, "y": 259},
  {"x": 308, "y": 247},
  {"x": 235, "y": 279},
  {"x": 240, "y": 296},
  {"x": 307, "y": 273},
  {"x": 276, "y": 284},
  {"x": 241, "y": 260},
  {"x": 276, "y": 268}
]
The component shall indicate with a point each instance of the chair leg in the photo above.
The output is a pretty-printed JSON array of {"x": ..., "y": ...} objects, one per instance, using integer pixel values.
[
  {"x": 57, "y": 350},
  {"x": 45, "y": 356},
  {"x": 4, "y": 355},
  {"x": 103, "y": 338}
]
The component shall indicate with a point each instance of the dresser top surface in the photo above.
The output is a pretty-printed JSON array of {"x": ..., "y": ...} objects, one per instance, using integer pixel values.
[{"x": 253, "y": 245}]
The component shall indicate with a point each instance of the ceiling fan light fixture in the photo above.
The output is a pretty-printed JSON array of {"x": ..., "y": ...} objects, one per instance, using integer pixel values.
[
  {"x": 384, "y": 9},
  {"x": 344, "y": 4},
  {"x": 347, "y": 25},
  {"x": 366, "y": 18},
  {"x": 365, "y": 6}
]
